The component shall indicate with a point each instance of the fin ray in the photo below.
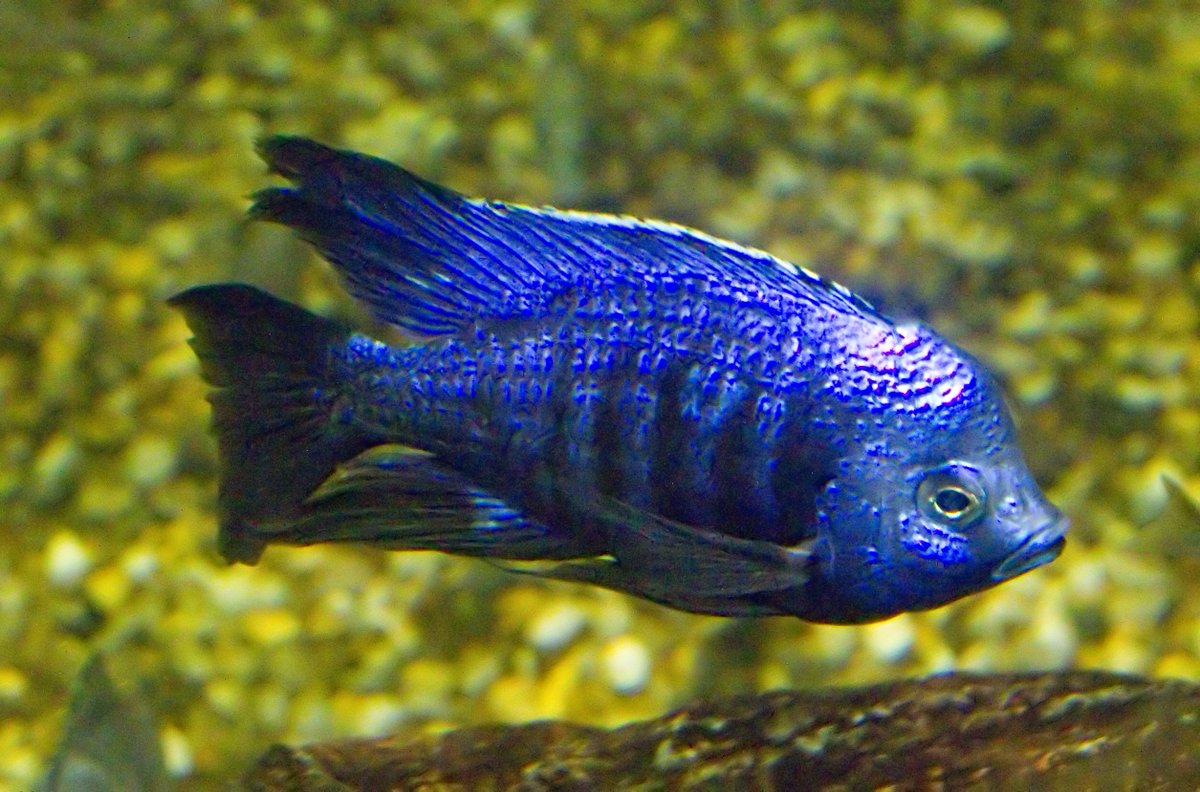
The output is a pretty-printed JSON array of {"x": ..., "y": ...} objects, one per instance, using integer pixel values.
[
  {"x": 684, "y": 566},
  {"x": 428, "y": 259},
  {"x": 269, "y": 364},
  {"x": 403, "y": 498}
]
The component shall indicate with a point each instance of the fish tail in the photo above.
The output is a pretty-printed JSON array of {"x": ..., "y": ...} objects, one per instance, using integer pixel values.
[{"x": 274, "y": 386}]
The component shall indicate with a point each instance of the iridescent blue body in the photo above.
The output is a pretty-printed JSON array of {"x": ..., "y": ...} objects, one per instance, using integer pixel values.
[{"x": 636, "y": 405}]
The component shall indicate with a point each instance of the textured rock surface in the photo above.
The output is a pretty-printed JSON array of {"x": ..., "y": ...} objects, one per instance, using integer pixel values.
[{"x": 1076, "y": 730}]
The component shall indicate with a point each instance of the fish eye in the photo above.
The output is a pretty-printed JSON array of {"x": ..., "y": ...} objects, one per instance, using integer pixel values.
[
  {"x": 953, "y": 501},
  {"x": 951, "y": 494}
]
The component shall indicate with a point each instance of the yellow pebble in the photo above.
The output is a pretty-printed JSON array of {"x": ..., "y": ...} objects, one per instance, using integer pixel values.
[
  {"x": 102, "y": 499},
  {"x": 826, "y": 96},
  {"x": 13, "y": 684},
  {"x": 171, "y": 364},
  {"x": 109, "y": 587},
  {"x": 773, "y": 675},
  {"x": 271, "y": 626},
  {"x": 558, "y": 686},
  {"x": 215, "y": 90},
  {"x": 1028, "y": 316},
  {"x": 511, "y": 698},
  {"x": 127, "y": 309},
  {"x": 428, "y": 683},
  {"x": 1155, "y": 255},
  {"x": 1179, "y": 665},
  {"x": 134, "y": 266},
  {"x": 225, "y": 696}
]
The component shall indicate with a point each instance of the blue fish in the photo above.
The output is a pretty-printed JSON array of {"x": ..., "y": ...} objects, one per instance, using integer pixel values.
[{"x": 630, "y": 404}]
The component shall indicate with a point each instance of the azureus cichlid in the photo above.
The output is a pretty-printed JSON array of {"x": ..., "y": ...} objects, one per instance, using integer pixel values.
[{"x": 633, "y": 404}]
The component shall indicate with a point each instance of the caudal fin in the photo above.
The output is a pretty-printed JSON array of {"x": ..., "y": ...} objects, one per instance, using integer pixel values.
[{"x": 274, "y": 388}]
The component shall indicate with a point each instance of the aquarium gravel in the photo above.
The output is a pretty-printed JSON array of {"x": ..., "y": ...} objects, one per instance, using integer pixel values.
[{"x": 1024, "y": 176}]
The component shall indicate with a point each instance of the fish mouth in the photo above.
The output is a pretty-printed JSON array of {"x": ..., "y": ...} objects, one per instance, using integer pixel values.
[{"x": 1041, "y": 547}]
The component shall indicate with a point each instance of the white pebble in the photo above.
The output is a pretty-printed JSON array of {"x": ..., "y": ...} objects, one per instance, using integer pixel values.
[
  {"x": 833, "y": 644},
  {"x": 272, "y": 706},
  {"x": 140, "y": 565},
  {"x": 555, "y": 627},
  {"x": 177, "y": 752},
  {"x": 13, "y": 685},
  {"x": 626, "y": 664},
  {"x": 977, "y": 30},
  {"x": 150, "y": 460},
  {"x": 379, "y": 716},
  {"x": 892, "y": 640},
  {"x": 1054, "y": 640},
  {"x": 55, "y": 468},
  {"x": 67, "y": 560}
]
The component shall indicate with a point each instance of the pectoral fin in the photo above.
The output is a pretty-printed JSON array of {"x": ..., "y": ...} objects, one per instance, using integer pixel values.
[{"x": 685, "y": 566}]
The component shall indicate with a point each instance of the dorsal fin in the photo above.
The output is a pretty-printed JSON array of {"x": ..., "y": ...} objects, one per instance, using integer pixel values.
[{"x": 431, "y": 260}]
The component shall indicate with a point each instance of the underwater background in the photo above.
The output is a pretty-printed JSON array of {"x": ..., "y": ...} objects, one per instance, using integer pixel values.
[{"x": 1024, "y": 176}]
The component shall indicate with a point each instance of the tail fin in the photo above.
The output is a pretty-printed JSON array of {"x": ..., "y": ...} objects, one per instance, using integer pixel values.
[{"x": 274, "y": 384}]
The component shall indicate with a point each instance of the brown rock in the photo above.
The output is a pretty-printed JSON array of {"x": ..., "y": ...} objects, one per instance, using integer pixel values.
[{"x": 1073, "y": 730}]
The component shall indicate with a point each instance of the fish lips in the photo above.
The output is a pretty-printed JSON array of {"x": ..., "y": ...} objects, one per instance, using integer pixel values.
[{"x": 1042, "y": 547}]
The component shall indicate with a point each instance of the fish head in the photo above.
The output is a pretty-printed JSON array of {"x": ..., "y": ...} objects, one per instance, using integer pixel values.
[
  {"x": 972, "y": 523},
  {"x": 939, "y": 505}
]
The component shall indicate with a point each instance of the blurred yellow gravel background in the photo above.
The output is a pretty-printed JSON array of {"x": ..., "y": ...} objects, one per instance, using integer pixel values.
[{"x": 1025, "y": 176}]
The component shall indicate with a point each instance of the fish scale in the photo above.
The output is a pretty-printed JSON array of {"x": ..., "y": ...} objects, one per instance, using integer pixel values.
[
  {"x": 703, "y": 466},
  {"x": 624, "y": 403}
]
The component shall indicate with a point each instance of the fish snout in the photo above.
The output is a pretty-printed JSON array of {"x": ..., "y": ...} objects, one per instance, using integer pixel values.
[{"x": 1042, "y": 546}]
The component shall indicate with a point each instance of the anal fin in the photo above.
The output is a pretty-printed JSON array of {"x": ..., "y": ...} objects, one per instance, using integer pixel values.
[{"x": 402, "y": 498}]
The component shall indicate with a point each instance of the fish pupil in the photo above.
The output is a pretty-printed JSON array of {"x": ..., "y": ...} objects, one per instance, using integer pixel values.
[{"x": 952, "y": 501}]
